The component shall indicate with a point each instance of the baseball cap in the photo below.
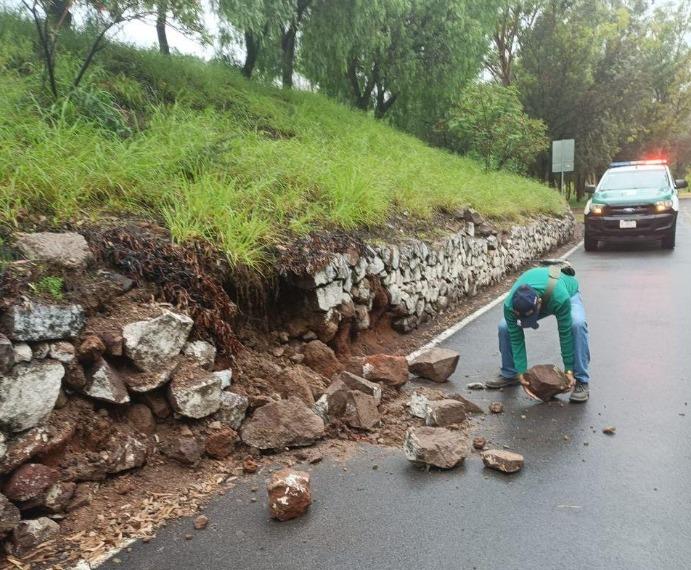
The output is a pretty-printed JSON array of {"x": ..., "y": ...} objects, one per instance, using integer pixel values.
[{"x": 525, "y": 304}]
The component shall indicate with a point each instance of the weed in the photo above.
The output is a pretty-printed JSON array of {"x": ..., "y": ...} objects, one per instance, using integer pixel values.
[{"x": 49, "y": 285}]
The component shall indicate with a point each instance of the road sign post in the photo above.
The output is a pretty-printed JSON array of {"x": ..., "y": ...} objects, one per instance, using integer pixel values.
[{"x": 563, "y": 152}]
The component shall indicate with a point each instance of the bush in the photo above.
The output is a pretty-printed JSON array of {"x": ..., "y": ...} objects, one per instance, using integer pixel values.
[{"x": 489, "y": 124}]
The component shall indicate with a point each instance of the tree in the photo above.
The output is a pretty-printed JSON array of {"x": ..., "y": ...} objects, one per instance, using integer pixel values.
[
  {"x": 101, "y": 18},
  {"x": 513, "y": 19},
  {"x": 270, "y": 30},
  {"x": 490, "y": 124},
  {"x": 402, "y": 59}
]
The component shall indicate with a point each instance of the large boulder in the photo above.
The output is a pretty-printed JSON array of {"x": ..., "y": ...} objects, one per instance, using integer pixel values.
[
  {"x": 152, "y": 343},
  {"x": 67, "y": 249},
  {"x": 9, "y": 516},
  {"x": 502, "y": 460},
  {"x": 35, "y": 322},
  {"x": 546, "y": 381},
  {"x": 289, "y": 494},
  {"x": 435, "y": 446},
  {"x": 30, "y": 533},
  {"x": 142, "y": 382},
  {"x": 106, "y": 384},
  {"x": 321, "y": 358},
  {"x": 387, "y": 369},
  {"x": 233, "y": 409},
  {"x": 29, "y": 393},
  {"x": 288, "y": 423},
  {"x": 436, "y": 364},
  {"x": 194, "y": 392}
]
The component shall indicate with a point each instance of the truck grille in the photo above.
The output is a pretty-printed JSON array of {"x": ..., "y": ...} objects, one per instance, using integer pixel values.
[{"x": 630, "y": 210}]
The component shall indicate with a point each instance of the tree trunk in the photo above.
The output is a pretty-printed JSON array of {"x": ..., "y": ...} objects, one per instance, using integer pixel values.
[
  {"x": 288, "y": 56},
  {"x": 383, "y": 103},
  {"x": 161, "y": 28},
  {"x": 252, "y": 45}
]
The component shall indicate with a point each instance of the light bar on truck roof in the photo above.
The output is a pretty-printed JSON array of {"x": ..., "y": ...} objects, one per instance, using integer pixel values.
[{"x": 661, "y": 161}]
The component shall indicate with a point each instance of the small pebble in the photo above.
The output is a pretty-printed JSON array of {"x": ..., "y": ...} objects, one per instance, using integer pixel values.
[
  {"x": 188, "y": 537},
  {"x": 375, "y": 467},
  {"x": 609, "y": 430}
]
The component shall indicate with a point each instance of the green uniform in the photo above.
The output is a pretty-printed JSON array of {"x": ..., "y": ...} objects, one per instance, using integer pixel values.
[{"x": 559, "y": 305}]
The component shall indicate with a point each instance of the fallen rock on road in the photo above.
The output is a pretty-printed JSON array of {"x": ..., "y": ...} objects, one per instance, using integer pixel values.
[
  {"x": 436, "y": 364},
  {"x": 546, "y": 381},
  {"x": 289, "y": 494},
  {"x": 439, "y": 447},
  {"x": 502, "y": 460}
]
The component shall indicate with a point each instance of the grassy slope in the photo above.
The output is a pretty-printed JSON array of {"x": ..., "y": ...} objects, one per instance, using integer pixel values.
[{"x": 216, "y": 157}]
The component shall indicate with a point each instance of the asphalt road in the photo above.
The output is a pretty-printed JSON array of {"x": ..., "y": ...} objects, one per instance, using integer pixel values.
[{"x": 583, "y": 500}]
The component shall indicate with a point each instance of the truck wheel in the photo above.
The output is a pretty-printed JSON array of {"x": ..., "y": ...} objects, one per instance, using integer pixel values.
[
  {"x": 668, "y": 242},
  {"x": 589, "y": 244}
]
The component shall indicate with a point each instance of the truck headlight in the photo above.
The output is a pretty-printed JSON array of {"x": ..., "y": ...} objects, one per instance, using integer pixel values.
[
  {"x": 594, "y": 209},
  {"x": 663, "y": 205}
]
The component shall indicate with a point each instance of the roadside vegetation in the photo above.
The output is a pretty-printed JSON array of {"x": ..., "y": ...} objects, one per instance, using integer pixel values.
[{"x": 216, "y": 157}]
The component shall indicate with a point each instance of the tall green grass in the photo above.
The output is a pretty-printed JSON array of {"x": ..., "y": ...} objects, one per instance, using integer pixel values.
[{"x": 196, "y": 147}]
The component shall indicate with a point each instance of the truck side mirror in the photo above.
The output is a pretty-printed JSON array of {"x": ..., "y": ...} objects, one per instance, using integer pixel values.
[
  {"x": 681, "y": 183},
  {"x": 589, "y": 188}
]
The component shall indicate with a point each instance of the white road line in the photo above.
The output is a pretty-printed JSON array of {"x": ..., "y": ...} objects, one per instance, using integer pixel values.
[{"x": 474, "y": 316}]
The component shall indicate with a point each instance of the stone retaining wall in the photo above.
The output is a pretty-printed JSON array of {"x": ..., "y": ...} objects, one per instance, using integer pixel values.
[{"x": 421, "y": 279}]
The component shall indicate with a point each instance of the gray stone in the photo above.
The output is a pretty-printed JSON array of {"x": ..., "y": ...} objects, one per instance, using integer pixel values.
[
  {"x": 22, "y": 353},
  {"x": 288, "y": 423},
  {"x": 194, "y": 393},
  {"x": 34, "y": 322},
  {"x": 435, "y": 446},
  {"x": 417, "y": 405},
  {"x": 232, "y": 409},
  {"x": 330, "y": 295},
  {"x": 29, "y": 393},
  {"x": 65, "y": 249},
  {"x": 360, "y": 410},
  {"x": 142, "y": 382},
  {"x": 203, "y": 352},
  {"x": 225, "y": 376},
  {"x": 436, "y": 364},
  {"x": 151, "y": 343},
  {"x": 29, "y": 534},
  {"x": 445, "y": 412},
  {"x": 62, "y": 351},
  {"x": 106, "y": 384}
]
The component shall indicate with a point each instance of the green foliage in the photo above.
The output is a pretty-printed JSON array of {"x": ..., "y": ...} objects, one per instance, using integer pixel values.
[
  {"x": 489, "y": 123},
  {"x": 400, "y": 58},
  {"x": 49, "y": 285},
  {"x": 613, "y": 75},
  {"x": 215, "y": 157}
]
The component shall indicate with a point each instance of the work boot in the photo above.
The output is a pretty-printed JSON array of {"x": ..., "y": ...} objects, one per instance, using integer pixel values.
[
  {"x": 580, "y": 393},
  {"x": 501, "y": 382}
]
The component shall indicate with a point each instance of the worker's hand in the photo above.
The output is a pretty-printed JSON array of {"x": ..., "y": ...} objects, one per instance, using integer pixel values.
[
  {"x": 526, "y": 387},
  {"x": 571, "y": 378}
]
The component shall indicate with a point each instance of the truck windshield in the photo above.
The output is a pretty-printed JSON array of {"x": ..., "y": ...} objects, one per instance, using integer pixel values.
[{"x": 633, "y": 180}]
